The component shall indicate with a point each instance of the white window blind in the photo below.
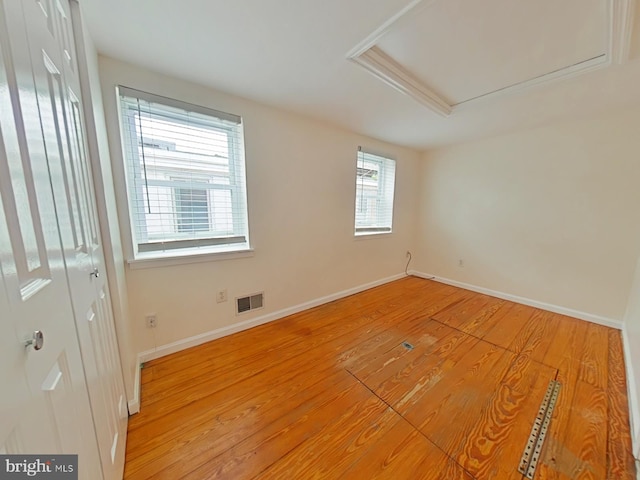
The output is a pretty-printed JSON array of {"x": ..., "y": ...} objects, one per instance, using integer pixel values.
[
  {"x": 375, "y": 183},
  {"x": 185, "y": 174}
]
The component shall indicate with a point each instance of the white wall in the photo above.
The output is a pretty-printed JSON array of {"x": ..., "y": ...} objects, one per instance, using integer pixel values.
[
  {"x": 301, "y": 193},
  {"x": 631, "y": 335},
  {"x": 550, "y": 214}
]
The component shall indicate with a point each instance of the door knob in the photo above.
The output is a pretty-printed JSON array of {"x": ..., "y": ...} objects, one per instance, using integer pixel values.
[
  {"x": 37, "y": 341},
  {"x": 95, "y": 273}
]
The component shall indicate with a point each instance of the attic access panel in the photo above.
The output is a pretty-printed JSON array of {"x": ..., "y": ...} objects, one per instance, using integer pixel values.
[{"x": 449, "y": 53}]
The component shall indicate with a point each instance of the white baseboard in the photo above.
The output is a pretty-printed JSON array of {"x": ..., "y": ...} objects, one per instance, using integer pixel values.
[
  {"x": 632, "y": 392},
  {"x": 163, "y": 350},
  {"x": 589, "y": 317}
]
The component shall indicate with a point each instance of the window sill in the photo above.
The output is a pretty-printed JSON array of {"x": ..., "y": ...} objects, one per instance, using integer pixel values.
[
  {"x": 365, "y": 235},
  {"x": 186, "y": 256}
]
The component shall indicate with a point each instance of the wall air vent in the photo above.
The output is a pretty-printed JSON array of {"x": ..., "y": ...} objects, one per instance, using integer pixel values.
[{"x": 250, "y": 302}]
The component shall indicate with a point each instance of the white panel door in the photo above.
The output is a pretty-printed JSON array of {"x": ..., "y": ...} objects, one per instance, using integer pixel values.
[
  {"x": 55, "y": 72},
  {"x": 44, "y": 407}
]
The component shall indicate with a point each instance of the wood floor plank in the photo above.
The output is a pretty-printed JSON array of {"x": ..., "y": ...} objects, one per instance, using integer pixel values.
[
  {"x": 405, "y": 384},
  {"x": 467, "y": 315},
  {"x": 262, "y": 450},
  {"x": 595, "y": 356},
  {"x": 399, "y": 445},
  {"x": 532, "y": 328},
  {"x": 502, "y": 317},
  {"x": 440, "y": 299},
  {"x": 557, "y": 462},
  {"x": 585, "y": 445},
  {"x": 565, "y": 356},
  {"x": 413, "y": 458},
  {"x": 508, "y": 333},
  {"x": 283, "y": 381},
  {"x": 332, "y": 441},
  {"x": 228, "y": 423},
  {"x": 492, "y": 422},
  {"x": 331, "y": 393},
  {"x": 443, "y": 470},
  {"x": 544, "y": 326},
  {"x": 373, "y": 357},
  {"x": 341, "y": 455},
  {"x": 437, "y": 341},
  {"x": 431, "y": 410},
  {"x": 566, "y": 342},
  {"x": 501, "y": 430},
  {"x": 258, "y": 452}
]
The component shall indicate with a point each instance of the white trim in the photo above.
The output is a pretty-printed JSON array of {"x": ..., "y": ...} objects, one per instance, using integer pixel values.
[
  {"x": 379, "y": 32},
  {"x": 163, "y": 350},
  {"x": 621, "y": 30},
  {"x": 367, "y": 55},
  {"x": 632, "y": 393},
  {"x": 364, "y": 236},
  {"x": 134, "y": 403},
  {"x": 112, "y": 115},
  {"x": 570, "y": 71},
  {"x": 385, "y": 68},
  {"x": 186, "y": 256},
  {"x": 589, "y": 317}
]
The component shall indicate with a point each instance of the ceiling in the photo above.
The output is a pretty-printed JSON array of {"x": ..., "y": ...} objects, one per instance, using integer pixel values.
[{"x": 420, "y": 73}]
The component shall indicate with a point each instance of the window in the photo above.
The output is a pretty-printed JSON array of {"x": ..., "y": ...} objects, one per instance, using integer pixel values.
[
  {"x": 185, "y": 175},
  {"x": 375, "y": 181}
]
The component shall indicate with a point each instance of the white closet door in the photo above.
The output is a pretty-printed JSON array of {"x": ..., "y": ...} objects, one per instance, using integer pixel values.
[
  {"x": 51, "y": 32},
  {"x": 41, "y": 44},
  {"x": 44, "y": 407}
]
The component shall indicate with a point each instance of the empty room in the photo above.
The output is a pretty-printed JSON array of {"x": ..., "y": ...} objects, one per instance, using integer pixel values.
[{"x": 320, "y": 239}]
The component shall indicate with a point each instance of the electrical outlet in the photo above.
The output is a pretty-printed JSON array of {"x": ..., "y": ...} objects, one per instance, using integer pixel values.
[
  {"x": 221, "y": 296},
  {"x": 152, "y": 320},
  {"x": 461, "y": 263}
]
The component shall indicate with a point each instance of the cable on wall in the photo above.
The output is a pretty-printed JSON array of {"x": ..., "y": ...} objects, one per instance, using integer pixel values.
[{"x": 406, "y": 269}]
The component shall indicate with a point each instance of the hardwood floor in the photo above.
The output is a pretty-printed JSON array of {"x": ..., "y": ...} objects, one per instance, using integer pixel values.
[{"x": 332, "y": 392}]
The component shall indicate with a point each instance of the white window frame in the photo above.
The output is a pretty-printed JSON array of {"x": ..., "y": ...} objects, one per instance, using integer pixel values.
[
  {"x": 141, "y": 254},
  {"x": 385, "y": 196}
]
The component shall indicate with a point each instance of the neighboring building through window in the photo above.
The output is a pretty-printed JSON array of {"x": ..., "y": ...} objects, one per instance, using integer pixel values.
[
  {"x": 185, "y": 175},
  {"x": 375, "y": 182},
  {"x": 192, "y": 210}
]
